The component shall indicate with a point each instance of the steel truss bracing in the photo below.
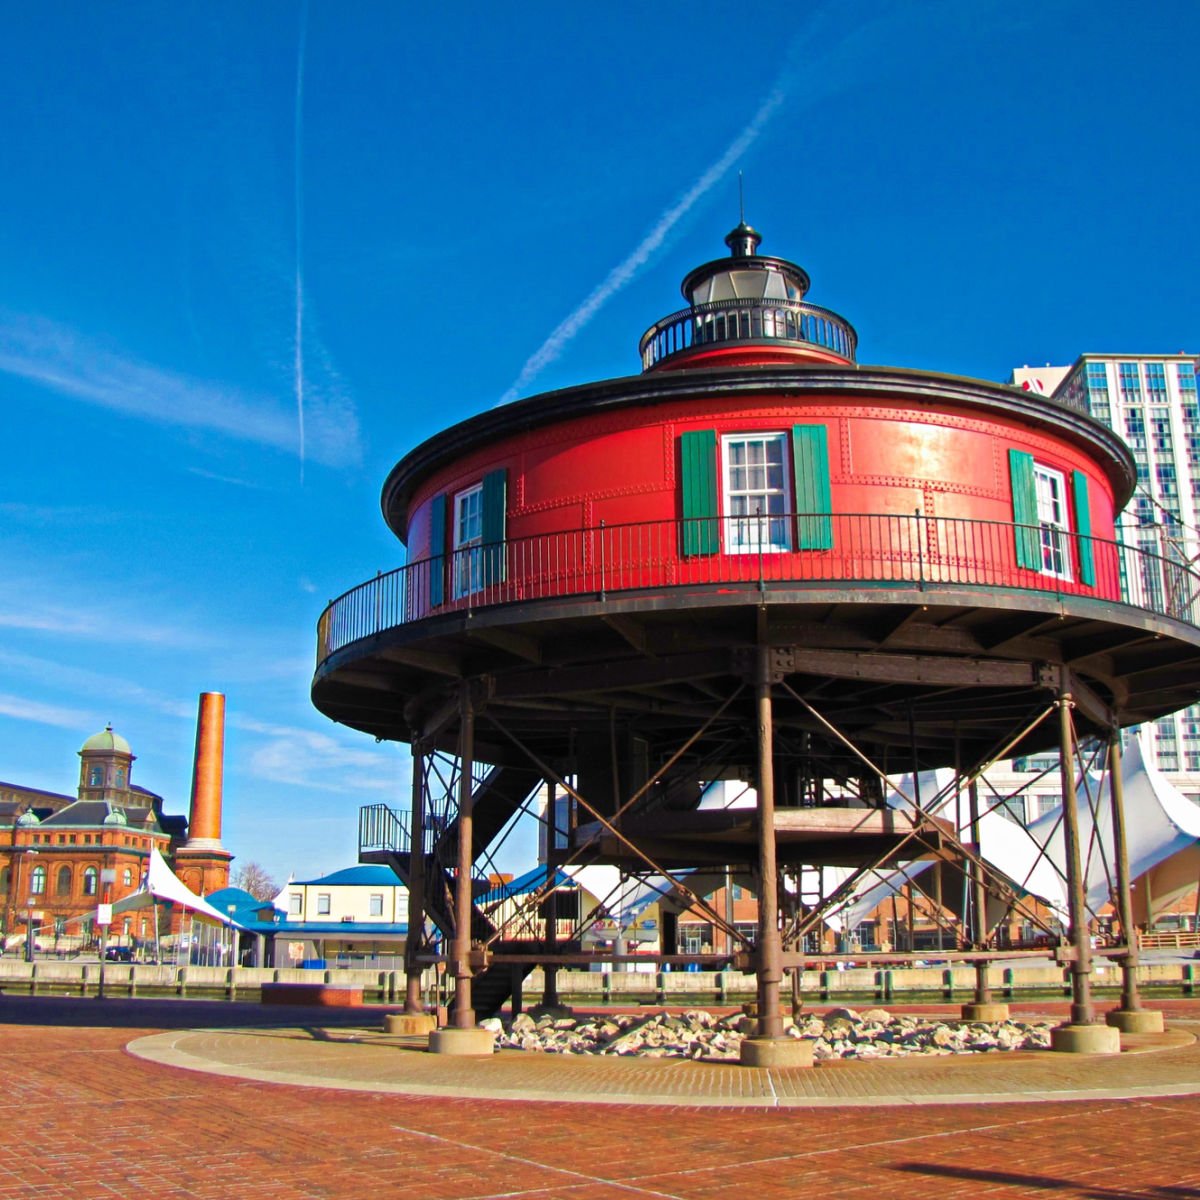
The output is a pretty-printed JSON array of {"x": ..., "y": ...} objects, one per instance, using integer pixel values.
[{"x": 621, "y": 714}]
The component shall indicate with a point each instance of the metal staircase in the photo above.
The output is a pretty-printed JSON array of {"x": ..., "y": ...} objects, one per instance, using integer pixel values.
[{"x": 385, "y": 837}]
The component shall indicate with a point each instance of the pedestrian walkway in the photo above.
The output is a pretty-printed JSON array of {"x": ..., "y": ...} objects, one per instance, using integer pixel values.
[
  {"x": 365, "y": 1059},
  {"x": 85, "y": 1119}
]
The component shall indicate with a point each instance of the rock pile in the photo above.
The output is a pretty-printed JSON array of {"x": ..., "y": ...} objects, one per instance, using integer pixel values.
[{"x": 841, "y": 1033}]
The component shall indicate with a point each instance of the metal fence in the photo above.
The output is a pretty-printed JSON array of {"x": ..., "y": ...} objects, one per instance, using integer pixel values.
[
  {"x": 850, "y": 549},
  {"x": 747, "y": 320}
]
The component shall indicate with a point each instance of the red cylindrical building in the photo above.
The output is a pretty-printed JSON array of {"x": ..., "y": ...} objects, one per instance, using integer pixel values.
[{"x": 618, "y": 580}]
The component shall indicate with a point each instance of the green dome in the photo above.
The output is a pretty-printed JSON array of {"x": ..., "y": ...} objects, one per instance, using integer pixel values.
[{"x": 106, "y": 740}]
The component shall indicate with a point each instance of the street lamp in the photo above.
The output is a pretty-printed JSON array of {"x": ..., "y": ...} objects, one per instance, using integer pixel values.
[{"x": 108, "y": 876}]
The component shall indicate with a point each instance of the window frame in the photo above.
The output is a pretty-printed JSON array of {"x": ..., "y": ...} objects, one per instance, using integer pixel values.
[
  {"x": 734, "y": 541},
  {"x": 91, "y": 881},
  {"x": 324, "y": 904},
  {"x": 466, "y": 553},
  {"x": 375, "y": 904},
  {"x": 1054, "y": 533}
]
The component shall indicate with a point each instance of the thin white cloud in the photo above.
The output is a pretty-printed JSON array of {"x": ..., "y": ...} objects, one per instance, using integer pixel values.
[
  {"x": 95, "y": 623},
  {"x": 624, "y": 271},
  {"x": 24, "y": 709},
  {"x": 298, "y": 213},
  {"x": 63, "y": 361},
  {"x": 308, "y": 759}
]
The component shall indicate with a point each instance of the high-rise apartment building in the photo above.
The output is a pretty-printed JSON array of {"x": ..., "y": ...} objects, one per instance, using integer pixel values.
[{"x": 1151, "y": 401}]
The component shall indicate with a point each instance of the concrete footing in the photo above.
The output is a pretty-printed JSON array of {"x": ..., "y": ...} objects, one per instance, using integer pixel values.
[
  {"x": 409, "y": 1024},
  {"x": 464, "y": 1043},
  {"x": 985, "y": 1012},
  {"x": 1086, "y": 1039},
  {"x": 1141, "y": 1020},
  {"x": 776, "y": 1052}
]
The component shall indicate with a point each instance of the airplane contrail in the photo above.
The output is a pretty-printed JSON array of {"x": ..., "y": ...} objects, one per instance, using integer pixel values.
[
  {"x": 298, "y": 210},
  {"x": 624, "y": 271}
]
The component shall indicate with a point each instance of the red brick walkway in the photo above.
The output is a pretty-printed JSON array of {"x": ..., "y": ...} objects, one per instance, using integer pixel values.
[{"x": 82, "y": 1118}]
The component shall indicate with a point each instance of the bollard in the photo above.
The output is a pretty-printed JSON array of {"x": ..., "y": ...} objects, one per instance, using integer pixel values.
[
  {"x": 83, "y": 980},
  {"x": 181, "y": 985},
  {"x": 1189, "y": 979},
  {"x": 660, "y": 987},
  {"x": 824, "y": 981},
  {"x": 948, "y": 983},
  {"x": 275, "y": 976},
  {"x": 230, "y": 986},
  {"x": 1009, "y": 978},
  {"x": 722, "y": 987},
  {"x": 606, "y": 993},
  {"x": 889, "y": 984},
  {"x": 33, "y": 974},
  {"x": 383, "y": 987},
  {"x": 132, "y": 980}
]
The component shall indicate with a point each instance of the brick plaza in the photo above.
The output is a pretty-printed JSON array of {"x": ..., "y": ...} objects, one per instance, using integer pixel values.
[{"x": 85, "y": 1118}]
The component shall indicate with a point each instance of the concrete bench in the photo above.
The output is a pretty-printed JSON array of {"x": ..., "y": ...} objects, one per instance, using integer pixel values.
[{"x": 324, "y": 995}]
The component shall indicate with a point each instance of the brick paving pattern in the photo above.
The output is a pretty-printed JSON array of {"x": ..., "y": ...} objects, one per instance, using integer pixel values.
[{"x": 83, "y": 1118}]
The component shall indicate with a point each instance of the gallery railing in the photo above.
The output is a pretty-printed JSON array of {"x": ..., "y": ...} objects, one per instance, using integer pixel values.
[
  {"x": 851, "y": 549},
  {"x": 789, "y": 321}
]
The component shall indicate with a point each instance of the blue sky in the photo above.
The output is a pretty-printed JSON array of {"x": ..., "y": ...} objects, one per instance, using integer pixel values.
[{"x": 251, "y": 254}]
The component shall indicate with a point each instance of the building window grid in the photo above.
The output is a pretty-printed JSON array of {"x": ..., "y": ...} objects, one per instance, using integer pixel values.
[
  {"x": 1129, "y": 382},
  {"x": 1156, "y": 382},
  {"x": 323, "y": 904}
]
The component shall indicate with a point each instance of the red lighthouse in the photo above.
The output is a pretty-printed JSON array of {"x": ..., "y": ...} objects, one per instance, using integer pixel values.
[{"x": 755, "y": 559}]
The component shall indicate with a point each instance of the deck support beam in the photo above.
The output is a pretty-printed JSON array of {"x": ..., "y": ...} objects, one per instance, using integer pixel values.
[{"x": 413, "y": 942}]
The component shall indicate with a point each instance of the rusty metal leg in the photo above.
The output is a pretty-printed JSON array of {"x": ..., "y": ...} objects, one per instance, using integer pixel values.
[
  {"x": 550, "y": 904},
  {"x": 770, "y": 948},
  {"x": 1083, "y": 1034},
  {"x": 769, "y": 1047},
  {"x": 464, "y": 1014},
  {"x": 983, "y": 1007},
  {"x": 416, "y": 885},
  {"x": 1130, "y": 1017}
]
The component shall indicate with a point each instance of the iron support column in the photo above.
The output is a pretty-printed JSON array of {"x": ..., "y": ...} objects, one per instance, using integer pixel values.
[
  {"x": 464, "y": 1014},
  {"x": 1130, "y": 1000},
  {"x": 550, "y": 904},
  {"x": 983, "y": 992},
  {"x": 1082, "y": 1012},
  {"x": 770, "y": 946},
  {"x": 416, "y": 884}
]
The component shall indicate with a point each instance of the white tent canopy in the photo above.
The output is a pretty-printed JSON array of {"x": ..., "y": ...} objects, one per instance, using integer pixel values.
[
  {"x": 161, "y": 883},
  {"x": 1162, "y": 828}
]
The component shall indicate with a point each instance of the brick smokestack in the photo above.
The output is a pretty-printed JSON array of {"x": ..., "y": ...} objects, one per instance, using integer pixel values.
[{"x": 204, "y": 818}]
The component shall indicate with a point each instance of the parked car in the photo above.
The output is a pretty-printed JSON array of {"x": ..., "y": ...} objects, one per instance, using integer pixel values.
[{"x": 119, "y": 954}]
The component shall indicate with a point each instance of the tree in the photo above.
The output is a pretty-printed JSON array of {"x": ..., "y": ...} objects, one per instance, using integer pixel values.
[{"x": 253, "y": 878}]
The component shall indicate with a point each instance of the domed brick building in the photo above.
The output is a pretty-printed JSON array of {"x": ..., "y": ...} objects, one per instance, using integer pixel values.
[{"x": 64, "y": 855}]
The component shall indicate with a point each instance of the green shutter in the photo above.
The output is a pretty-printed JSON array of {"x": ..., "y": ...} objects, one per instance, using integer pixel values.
[
  {"x": 698, "y": 479},
  {"x": 437, "y": 550},
  {"x": 494, "y": 504},
  {"x": 810, "y": 445},
  {"x": 1024, "y": 498},
  {"x": 1083, "y": 530}
]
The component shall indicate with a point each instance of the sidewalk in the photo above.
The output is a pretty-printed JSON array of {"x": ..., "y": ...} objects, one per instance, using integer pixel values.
[{"x": 84, "y": 1119}]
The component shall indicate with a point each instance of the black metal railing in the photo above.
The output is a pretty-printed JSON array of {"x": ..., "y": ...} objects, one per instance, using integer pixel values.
[
  {"x": 851, "y": 549},
  {"x": 788, "y": 321}
]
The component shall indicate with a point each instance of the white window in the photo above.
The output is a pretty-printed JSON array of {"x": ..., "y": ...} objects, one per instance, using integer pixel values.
[
  {"x": 757, "y": 498},
  {"x": 377, "y": 904},
  {"x": 323, "y": 904},
  {"x": 295, "y": 904},
  {"x": 468, "y": 538},
  {"x": 1052, "y": 518}
]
